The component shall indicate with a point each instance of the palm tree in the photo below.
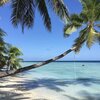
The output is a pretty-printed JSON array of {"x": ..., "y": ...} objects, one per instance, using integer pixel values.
[
  {"x": 2, "y": 49},
  {"x": 2, "y": 43},
  {"x": 88, "y": 20},
  {"x": 13, "y": 61},
  {"x": 9, "y": 56},
  {"x": 23, "y": 11},
  {"x": 88, "y": 23}
]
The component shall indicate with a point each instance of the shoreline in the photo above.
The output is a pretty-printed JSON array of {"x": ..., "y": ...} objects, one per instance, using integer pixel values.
[{"x": 56, "y": 81}]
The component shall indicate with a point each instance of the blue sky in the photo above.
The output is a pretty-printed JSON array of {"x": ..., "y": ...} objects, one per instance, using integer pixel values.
[{"x": 39, "y": 44}]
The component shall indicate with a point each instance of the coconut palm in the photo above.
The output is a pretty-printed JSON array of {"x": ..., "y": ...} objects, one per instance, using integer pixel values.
[
  {"x": 13, "y": 61},
  {"x": 88, "y": 20},
  {"x": 9, "y": 56},
  {"x": 23, "y": 11},
  {"x": 2, "y": 49},
  {"x": 2, "y": 43}
]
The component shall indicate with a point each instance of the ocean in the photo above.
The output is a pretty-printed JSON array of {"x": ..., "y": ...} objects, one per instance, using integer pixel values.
[
  {"x": 65, "y": 70},
  {"x": 73, "y": 80}
]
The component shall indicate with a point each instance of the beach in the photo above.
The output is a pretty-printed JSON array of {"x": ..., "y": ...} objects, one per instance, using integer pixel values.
[
  {"x": 14, "y": 88},
  {"x": 37, "y": 65},
  {"x": 39, "y": 84}
]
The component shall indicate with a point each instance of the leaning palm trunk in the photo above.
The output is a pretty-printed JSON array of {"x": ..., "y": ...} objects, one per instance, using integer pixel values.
[{"x": 40, "y": 64}]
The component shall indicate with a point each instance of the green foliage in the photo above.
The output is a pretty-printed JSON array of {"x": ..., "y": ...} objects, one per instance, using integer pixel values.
[
  {"x": 23, "y": 11},
  {"x": 69, "y": 29},
  {"x": 13, "y": 61},
  {"x": 59, "y": 8},
  {"x": 9, "y": 56},
  {"x": 74, "y": 23},
  {"x": 86, "y": 22},
  {"x": 41, "y": 4}
]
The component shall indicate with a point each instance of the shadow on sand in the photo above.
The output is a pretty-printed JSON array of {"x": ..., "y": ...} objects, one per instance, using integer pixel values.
[
  {"x": 55, "y": 85},
  {"x": 4, "y": 95},
  {"x": 85, "y": 95}
]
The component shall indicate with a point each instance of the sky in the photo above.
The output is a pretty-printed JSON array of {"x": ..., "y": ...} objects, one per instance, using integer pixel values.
[{"x": 39, "y": 44}]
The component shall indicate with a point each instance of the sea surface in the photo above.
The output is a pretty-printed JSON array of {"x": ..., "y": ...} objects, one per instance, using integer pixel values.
[
  {"x": 73, "y": 80},
  {"x": 65, "y": 70}
]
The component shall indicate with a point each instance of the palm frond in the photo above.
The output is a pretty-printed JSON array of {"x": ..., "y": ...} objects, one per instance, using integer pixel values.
[
  {"x": 84, "y": 16},
  {"x": 28, "y": 18},
  {"x": 44, "y": 12},
  {"x": 91, "y": 10},
  {"x": 80, "y": 40},
  {"x": 76, "y": 20},
  {"x": 76, "y": 17},
  {"x": 15, "y": 51},
  {"x": 69, "y": 29},
  {"x": 90, "y": 37},
  {"x": 87, "y": 4},
  {"x": 23, "y": 13},
  {"x": 2, "y": 33},
  {"x": 59, "y": 8},
  {"x": 97, "y": 11},
  {"x": 75, "y": 23},
  {"x": 18, "y": 10}
]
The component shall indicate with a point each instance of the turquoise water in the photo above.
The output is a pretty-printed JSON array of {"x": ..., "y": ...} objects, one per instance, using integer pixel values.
[
  {"x": 65, "y": 80},
  {"x": 65, "y": 70}
]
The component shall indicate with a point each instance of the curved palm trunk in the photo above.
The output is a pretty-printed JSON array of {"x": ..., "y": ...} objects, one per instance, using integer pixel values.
[{"x": 41, "y": 63}]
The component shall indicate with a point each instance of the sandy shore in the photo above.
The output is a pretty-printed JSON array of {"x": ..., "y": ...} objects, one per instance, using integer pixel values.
[{"x": 15, "y": 88}]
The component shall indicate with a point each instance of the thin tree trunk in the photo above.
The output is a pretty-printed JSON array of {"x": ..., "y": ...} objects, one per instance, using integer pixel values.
[{"x": 41, "y": 63}]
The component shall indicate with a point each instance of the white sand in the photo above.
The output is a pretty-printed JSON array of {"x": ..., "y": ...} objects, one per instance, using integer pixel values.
[{"x": 14, "y": 88}]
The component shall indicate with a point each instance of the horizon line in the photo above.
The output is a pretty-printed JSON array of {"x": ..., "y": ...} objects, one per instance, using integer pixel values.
[{"x": 64, "y": 61}]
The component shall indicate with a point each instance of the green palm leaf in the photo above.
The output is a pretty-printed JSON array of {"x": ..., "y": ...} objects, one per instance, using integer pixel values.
[
  {"x": 23, "y": 13},
  {"x": 80, "y": 40},
  {"x": 90, "y": 37},
  {"x": 74, "y": 24},
  {"x": 69, "y": 29},
  {"x": 59, "y": 8},
  {"x": 88, "y": 18},
  {"x": 44, "y": 13}
]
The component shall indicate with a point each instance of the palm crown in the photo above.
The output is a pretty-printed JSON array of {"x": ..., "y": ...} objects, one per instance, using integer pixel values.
[{"x": 89, "y": 21}]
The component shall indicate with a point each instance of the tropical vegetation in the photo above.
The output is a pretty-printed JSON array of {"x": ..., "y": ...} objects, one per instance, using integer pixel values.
[
  {"x": 23, "y": 11},
  {"x": 87, "y": 23},
  {"x": 9, "y": 55}
]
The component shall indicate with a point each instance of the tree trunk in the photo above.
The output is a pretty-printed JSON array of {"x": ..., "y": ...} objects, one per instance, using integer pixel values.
[{"x": 41, "y": 63}]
